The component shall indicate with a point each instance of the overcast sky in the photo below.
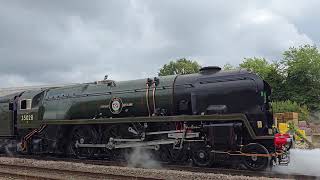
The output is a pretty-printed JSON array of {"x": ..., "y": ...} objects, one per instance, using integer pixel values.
[{"x": 53, "y": 42}]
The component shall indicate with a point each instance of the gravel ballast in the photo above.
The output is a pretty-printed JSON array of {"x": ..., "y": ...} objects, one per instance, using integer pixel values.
[{"x": 115, "y": 170}]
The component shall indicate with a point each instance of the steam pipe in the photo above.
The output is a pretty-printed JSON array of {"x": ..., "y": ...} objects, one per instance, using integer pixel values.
[
  {"x": 153, "y": 97},
  {"x": 149, "y": 81},
  {"x": 155, "y": 84}
]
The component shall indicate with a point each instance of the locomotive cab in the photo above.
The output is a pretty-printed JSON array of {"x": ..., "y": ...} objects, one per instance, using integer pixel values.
[{"x": 29, "y": 107}]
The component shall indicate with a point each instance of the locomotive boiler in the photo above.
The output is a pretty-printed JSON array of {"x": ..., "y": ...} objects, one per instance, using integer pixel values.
[{"x": 210, "y": 117}]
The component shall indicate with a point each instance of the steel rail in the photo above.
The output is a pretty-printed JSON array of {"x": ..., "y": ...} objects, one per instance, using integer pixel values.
[
  {"x": 183, "y": 167},
  {"x": 34, "y": 172}
]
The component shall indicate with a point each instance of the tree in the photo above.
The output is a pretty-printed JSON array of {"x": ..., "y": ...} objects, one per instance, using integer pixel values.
[
  {"x": 296, "y": 77},
  {"x": 289, "y": 106},
  {"x": 301, "y": 66},
  {"x": 258, "y": 65},
  {"x": 181, "y": 66},
  {"x": 228, "y": 66},
  {"x": 270, "y": 72}
]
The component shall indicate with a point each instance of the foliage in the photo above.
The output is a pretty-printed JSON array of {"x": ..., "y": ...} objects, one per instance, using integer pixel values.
[
  {"x": 302, "y": 69},
  {"x": 269, "y": 72},
  {"x": 295, "y": 131},
  {"x": 295, "y": 77},
  {"x": 257, "y": 65},
  {"x": 181, "y": 66},
  {"x": 228, "y": 66},
  {"x": 289, "y": 106}
]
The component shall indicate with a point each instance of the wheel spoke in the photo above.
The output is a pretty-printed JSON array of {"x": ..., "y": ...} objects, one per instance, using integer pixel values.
[
  {"x": 255, "y": 162},
  {"x": 89, "y": 135},
  {"x": 201, "y": 155}
]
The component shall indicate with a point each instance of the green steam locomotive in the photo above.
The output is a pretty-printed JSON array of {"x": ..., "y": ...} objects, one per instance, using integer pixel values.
[{"x": 212, "y": 117}]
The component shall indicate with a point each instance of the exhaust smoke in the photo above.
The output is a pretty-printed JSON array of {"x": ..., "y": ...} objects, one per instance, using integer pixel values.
[
  {"x": 306, "y": 162},
  {"x": 8, "y": 147},
  {"x": 142, "y": 157}
]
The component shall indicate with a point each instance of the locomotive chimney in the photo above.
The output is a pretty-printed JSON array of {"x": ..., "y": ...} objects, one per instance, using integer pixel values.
[{"x": 210, "y": 70}]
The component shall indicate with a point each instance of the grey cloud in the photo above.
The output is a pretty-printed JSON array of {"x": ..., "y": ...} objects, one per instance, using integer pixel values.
[{"x": 43, "y": 41}]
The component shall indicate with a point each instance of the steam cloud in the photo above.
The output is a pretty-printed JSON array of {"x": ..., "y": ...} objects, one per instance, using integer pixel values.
[
  {"x": 142, "y": 157},
  {"x": 315, "y": 116},
  {"x": 305, "y": 162},
  {"x": 7, "y": 147}
]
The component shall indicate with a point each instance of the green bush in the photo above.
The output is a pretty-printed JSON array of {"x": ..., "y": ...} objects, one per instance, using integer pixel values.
[{"x": 289, "y": 106}]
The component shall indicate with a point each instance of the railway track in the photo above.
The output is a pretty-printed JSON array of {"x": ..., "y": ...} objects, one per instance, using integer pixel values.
[
  {"x": 233, "y": 172},
  {"x": 237, "y": 172},
  {"x": 31, "y": 172}
]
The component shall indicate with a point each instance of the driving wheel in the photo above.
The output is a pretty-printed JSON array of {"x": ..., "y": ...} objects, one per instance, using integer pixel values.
[
  {"x": 82, "y": 135},
  {"x": 201, "y": 156},
  {"x": 255, "y": 162}
]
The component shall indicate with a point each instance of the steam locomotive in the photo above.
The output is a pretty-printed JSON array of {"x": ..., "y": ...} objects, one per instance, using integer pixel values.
[{"x": 210, "y": 117}]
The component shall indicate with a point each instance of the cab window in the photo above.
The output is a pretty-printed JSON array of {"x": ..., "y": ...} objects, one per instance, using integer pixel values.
[{"x": 25, "y": 104}]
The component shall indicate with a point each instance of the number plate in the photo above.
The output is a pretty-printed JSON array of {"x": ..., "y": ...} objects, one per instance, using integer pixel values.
[{"x": 27, "y": 117}]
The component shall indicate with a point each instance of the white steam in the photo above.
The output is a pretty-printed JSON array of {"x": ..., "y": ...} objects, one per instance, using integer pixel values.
[
  {"x": 306, "y": 162},
  {"x": 315, "y": 116},
  {"x": 142, "y": 157},
  {"x": 7, "y": 147}
]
